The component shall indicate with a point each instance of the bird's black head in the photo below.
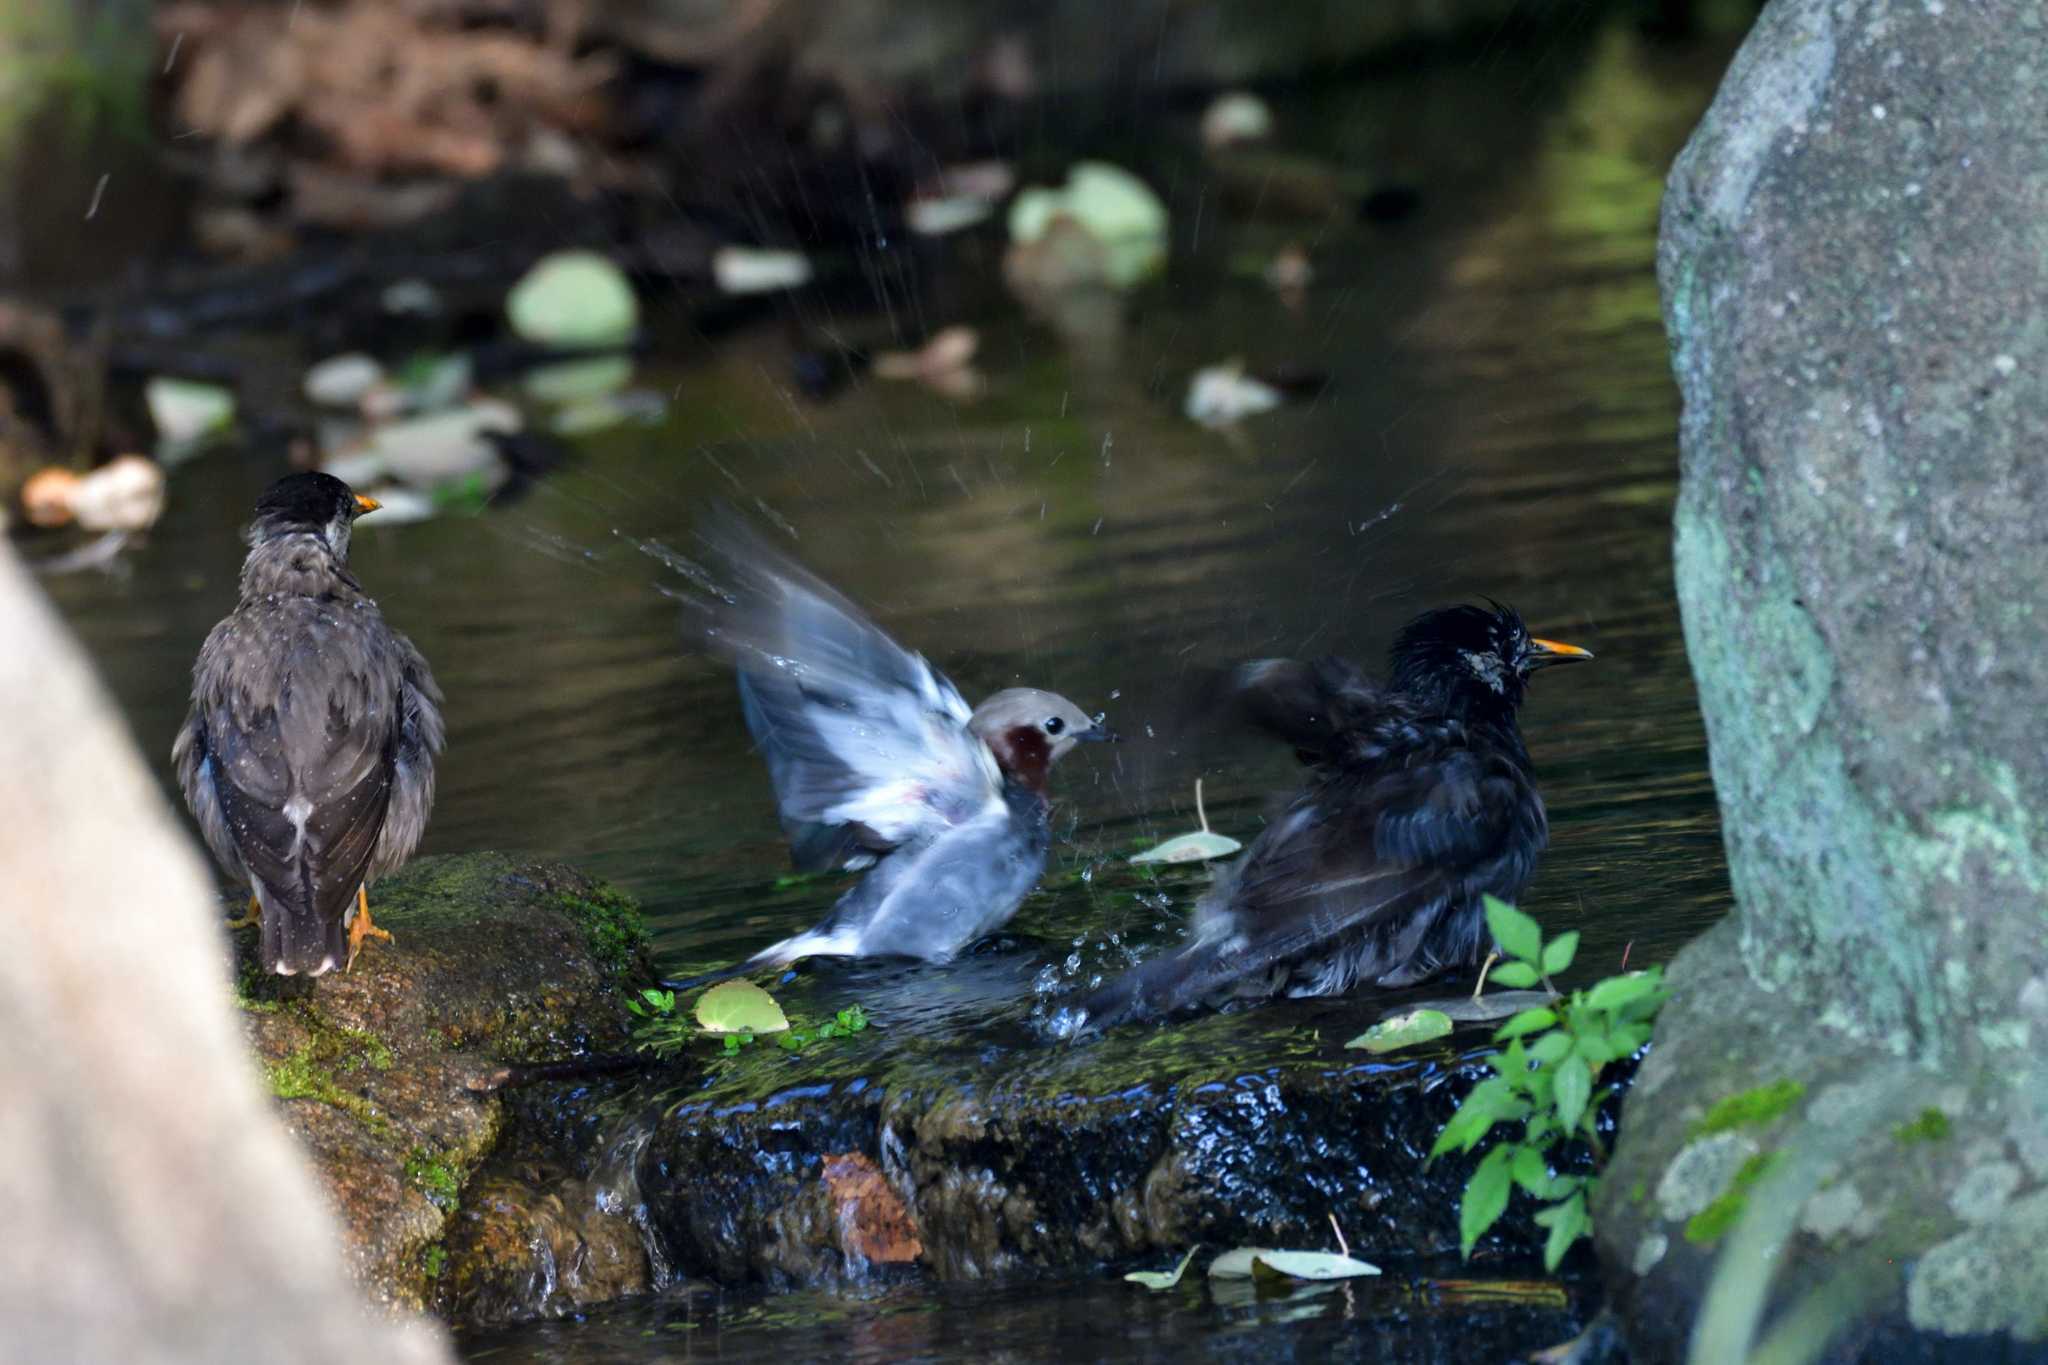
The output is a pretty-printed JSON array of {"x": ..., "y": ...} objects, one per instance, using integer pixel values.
[
  {"x": 1471, "y": 660},
  {"x": 309, "y": 504}
]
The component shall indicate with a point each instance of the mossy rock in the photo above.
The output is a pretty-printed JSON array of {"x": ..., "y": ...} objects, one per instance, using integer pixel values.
[
  {"x": 384, "y": 1072},
  {"x": 1255, "y": 1128}
]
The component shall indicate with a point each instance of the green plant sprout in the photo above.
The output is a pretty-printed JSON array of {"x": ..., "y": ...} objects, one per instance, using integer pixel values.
[{"x": 1547, "y": 1079}]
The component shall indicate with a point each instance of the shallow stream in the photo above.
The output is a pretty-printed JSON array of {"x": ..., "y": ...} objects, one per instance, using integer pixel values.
[{"x": 1499, "y": 419}]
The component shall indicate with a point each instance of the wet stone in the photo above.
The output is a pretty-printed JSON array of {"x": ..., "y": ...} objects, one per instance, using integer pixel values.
[
  {"x": 384, "y": 1074},
  {"x": 878, "y": 1157}
]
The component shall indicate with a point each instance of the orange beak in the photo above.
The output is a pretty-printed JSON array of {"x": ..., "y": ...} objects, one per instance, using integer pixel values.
[
  {"x": 1543, "y": 652},
  {"x": 366, "y": 503}
]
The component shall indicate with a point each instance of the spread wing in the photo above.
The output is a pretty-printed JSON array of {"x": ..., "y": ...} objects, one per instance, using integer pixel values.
[
  {"x": 1398, "y": 818},
  {"x": 866, "y": 743}
]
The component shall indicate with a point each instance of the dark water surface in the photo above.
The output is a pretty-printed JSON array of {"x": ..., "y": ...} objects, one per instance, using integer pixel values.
[{"x": 1499, "y": 419}]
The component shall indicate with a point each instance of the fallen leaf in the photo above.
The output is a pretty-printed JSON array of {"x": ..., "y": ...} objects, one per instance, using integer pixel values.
[
  {"x": 1224, "y": 395},
  {"x": 1310, "y": 1265},
  {"x": 1403, "y": 1030},
  {"x": 184, "y": 412},
  {"x": 1463, "y": 1009},
  {"x": 740, "y": 1007},
  {"x": 758, "y": 270},
  {"x": 573, "y": 298},
  {"x": 874, "y": 1224},
  {"x": 1164, "y": 1279},
  {"x": 1236, "y": 1264},
  {"x": 1236, "y": 116},
  {"x": 1198, "y": 847},
  {"x": 1112, "y": 206}
]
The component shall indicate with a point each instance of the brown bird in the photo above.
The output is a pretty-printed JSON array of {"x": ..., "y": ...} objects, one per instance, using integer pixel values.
[{"x": 308, "y": 753}]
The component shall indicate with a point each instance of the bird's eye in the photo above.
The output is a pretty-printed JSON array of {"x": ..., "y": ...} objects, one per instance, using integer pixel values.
[{"x": 1054, "y": 725}]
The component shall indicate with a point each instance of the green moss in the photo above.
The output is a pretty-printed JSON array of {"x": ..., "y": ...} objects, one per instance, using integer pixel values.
[
  {"x": 435, "y": 1259},
  {"x": 1751, "y": 1108},
  {"x": 1931, "y": 1126},
  {"x": 307, "y": 1074},
  {"x": 364, "y": 1048},
  {"x": 434, "y": 1177},
  {"x": 1711, "y": 1223},
  {"x": 1638, "y": 1192},
  {"x": 612, "y": 920}
]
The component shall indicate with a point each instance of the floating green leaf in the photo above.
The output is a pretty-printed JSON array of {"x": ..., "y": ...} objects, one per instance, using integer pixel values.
[
  {"x": 1309, "y": 1265},
  {"x": 1403, "y": 1030},
  {"x": 573, "y": 298},
  {"x": 1164, "y": 1279},
  {"x": 1113, "y": 206},
  {"x": 740, "y": 1007}
]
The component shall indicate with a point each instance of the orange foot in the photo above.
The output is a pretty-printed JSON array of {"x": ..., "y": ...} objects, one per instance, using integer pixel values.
[
  {"x": 251, "y": 918},
  {"x": 360, "y": 928}
]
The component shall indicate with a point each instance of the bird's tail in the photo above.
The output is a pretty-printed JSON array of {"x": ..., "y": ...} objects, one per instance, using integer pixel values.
[
  {"x": 297, "y": 939},
  {"x": 1168, "y": 983},
  {"x": 819, "y": 942}
]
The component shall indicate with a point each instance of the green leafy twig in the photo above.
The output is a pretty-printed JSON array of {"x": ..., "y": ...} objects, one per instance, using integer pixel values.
[{"x": 1547, "y": 1079}]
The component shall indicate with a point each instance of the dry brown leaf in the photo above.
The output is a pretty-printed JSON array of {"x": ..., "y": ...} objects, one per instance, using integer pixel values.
[{"x": 873, "y": 1222}]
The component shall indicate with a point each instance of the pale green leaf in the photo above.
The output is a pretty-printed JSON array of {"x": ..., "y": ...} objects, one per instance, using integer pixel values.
[
  {"x": 1164, "y": 1279},
  {"x": 573, "y": 298},
  {"x": 1403, "y": 1030},
  {"x": 1197, "y": 847},
  {"x": 1310, "y": 1265},
  {"x": 1236, "y": 1264},
  {"x": 740, "y": 1007}
]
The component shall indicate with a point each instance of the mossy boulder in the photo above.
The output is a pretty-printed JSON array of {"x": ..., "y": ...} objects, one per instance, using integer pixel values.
[
  {"x": 387, "y": 1073},
  {"x": 883, "y": 1155},
  {"x": 1855, "y": 274}
]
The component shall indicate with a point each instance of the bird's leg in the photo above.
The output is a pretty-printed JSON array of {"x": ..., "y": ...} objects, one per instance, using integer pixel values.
[
  {"x": 252, "y": 917},
  {"x": 360, "y": 928},
  {"x": 1484, "y": 968}
]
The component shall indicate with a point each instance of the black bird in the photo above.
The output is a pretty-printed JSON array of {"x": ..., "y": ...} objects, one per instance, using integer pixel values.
[
  {"x": 880, "y": 766},
  {"x": 308, "y": 754},
  {"x": 1420, "y": 800}
]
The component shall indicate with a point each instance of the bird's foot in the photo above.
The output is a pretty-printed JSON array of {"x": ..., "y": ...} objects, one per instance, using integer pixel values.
[
  {"x": 250, "y": 918},
  {"x": 360, "y": 927},
  {"x": 1484, "y": 968}
]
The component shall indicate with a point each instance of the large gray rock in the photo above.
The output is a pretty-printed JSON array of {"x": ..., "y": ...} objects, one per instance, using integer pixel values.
[
  {"x": 1855, "y": 270},
  {"x": 154, "y": 1210}
]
